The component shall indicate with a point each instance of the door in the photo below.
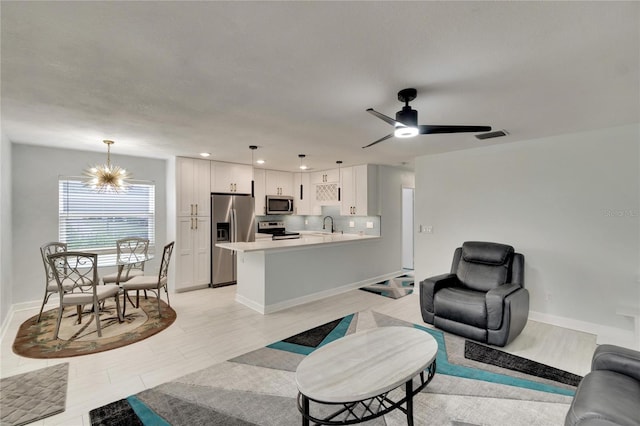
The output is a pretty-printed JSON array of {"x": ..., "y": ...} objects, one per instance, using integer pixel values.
[
  {"x": 222, "y": 261},
  {"x": 245, "y": 218}
]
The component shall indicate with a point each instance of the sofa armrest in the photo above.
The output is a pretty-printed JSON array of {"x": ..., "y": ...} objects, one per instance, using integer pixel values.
[
  {"x": 495, "y": 303},
  {"x": 618, "y": 359},
  {"x": 429, "y": 287}
]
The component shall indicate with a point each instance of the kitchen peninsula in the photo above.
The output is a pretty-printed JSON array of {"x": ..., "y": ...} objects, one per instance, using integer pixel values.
[{"x": 274, "y": 275}]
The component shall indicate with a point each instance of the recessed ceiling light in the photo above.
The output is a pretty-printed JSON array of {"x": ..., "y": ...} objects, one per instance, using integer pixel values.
[
  {"x": 205, "y": 154},
  {"x": 260, "y": 161},
  {"x": 303, "y": 167}
]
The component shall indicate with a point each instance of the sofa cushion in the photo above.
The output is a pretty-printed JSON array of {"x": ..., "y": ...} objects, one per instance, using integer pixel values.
[
  {"x": 461, "y": 305},
  {"x": 606, "y": 398},
  {"x": 486, "y": 253}
]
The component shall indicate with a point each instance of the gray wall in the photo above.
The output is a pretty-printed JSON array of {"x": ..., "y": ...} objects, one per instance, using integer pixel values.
[
  {"x": 35, "y": 206},
  {"x": 5, "y": 229},
  {"x": 570, "y": 204}
]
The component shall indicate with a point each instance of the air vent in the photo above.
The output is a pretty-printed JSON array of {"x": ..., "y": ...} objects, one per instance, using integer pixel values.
[{"x": 496, "y": 134}]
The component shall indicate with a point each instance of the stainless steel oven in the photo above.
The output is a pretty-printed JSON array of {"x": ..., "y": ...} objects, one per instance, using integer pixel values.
[{"x": 279, "y": 204}]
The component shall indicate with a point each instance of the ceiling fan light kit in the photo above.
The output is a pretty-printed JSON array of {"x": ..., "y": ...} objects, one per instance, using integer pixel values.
[
  {"x": 406, "y": 122},
  {"x": 405, "y": 132}
]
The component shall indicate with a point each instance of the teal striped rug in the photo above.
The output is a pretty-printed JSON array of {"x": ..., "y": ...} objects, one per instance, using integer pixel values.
[{"x": 258, "y": 388}]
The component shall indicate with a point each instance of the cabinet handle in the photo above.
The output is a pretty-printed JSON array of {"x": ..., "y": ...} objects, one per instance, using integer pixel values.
[
  {"x": 191, "y": 227},
  {"x": 196, "y": 214},
  {"x": 235, "y": 187},
  {"x": 196, "y": 222}
]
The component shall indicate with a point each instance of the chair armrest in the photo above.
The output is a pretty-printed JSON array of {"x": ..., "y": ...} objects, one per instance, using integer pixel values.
[
  {"x": 495, "y": 303},
  {"x": 618, "y": 359},
  {"x": 430, "y": 286}
]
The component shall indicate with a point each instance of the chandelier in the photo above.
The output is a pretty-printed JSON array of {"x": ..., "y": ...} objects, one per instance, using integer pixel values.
[{"x": 105, "y": 177}]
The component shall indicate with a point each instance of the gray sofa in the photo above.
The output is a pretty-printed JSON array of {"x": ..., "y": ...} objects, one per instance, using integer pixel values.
[{"x": 610, "y": 393}]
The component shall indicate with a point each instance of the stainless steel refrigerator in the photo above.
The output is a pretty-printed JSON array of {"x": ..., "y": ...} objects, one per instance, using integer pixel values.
[{"x": 232, "y": 220}]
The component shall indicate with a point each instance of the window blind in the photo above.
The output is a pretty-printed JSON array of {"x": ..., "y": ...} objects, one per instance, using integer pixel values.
[{"x": 93, "y": 221}]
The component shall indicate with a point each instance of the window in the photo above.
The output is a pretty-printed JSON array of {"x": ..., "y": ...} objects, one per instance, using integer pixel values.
[{"x": 93, "y": 221}]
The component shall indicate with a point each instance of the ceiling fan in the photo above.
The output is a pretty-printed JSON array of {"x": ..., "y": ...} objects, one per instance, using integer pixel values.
[{"x": 406, "y": 122}]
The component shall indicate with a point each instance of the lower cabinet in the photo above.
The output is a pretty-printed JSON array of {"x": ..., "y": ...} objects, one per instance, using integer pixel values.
[{"x": 193, "y": 252}]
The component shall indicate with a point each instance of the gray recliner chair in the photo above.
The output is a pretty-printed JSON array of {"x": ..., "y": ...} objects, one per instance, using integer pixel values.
[
  {"x": 610, "y": 393},
  {"x": 483, "y": 298}
]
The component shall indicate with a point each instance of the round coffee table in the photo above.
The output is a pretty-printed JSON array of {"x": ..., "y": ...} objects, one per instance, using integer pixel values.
[{"x": 358, "y": 374}]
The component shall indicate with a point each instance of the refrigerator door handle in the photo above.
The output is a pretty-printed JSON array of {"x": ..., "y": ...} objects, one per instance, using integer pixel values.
[{"x": 234, "y": 227}]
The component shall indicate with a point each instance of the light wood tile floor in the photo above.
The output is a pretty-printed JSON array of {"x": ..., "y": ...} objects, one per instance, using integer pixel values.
[{"x": 211, "y": 327}]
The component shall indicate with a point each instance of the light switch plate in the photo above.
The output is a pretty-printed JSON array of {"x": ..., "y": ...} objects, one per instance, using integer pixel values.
[
  {"x": 369, "y": 225},
  {"x": 352, "y": 224}
]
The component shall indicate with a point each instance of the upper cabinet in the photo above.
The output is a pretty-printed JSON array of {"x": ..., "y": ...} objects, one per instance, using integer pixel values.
[
  {"x": 305, "y": 205},
  {"x": 325, "y": 176},
  {"x": 231, "y": 177},
  {"x": 259, "y": 191},
  {"x": 192, "y": 187},
  {"x": 325, "y": 187},
  {"x": 359, "y": 190},
  {"x": 278, "y": 183}
]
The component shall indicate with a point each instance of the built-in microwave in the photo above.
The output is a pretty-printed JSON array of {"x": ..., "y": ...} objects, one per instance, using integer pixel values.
[{"x": 279, "y": 204}]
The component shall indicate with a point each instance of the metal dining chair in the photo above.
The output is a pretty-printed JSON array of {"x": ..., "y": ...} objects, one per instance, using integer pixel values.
[
  {"x": 76, "y": 275},
  {"x": 127, "y": 247},
  {"x": 153, "y": 283},
  {"x": 50, "y": 285}
]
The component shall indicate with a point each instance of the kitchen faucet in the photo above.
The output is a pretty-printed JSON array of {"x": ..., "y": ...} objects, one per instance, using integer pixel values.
[{"x": 324, "y": 222}]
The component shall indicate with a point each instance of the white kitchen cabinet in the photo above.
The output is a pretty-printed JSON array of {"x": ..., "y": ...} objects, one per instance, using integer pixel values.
[
  {"x": 279, "y": 183},
  {"x": 192, "y": 187},
  {"x": 231, "y": 178},
  {"x": 192, "y": 252},
  {"x": 324, "y": 185},
  {"x": 359, "y": 190},
  {"x": 259, "y": 191},
  {"x": 306, "y": 205},
  {"x": 325, "y": 176}
]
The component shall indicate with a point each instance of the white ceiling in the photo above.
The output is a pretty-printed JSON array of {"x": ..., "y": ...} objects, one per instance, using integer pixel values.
[{"x": 179, "y": 78}]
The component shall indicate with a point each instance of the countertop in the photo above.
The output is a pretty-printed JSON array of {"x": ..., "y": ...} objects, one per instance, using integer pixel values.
[{"x": 307, "y": 239}]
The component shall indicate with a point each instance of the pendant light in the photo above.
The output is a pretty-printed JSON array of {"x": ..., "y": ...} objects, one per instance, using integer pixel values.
[
  {"x": 339, "y": 162},
  {"x": 252, "y": 148},
  {"x": 105, "y": 177},
  {"x": 301, "y": 156}
]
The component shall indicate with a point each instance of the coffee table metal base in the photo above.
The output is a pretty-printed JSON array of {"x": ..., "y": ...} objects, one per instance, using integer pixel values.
[{"x": 362, "y": 411}]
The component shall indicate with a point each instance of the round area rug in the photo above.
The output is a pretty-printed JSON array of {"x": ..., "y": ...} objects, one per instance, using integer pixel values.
[{"x": 35, "y": 340}]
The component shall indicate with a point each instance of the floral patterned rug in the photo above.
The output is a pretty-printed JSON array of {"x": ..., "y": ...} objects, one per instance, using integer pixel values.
[{"x": 35, "y": 340}]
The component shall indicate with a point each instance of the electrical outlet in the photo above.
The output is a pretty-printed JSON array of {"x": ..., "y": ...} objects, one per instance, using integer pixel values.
[
  {"x": 547, "y": 296},
  {"x": 428, "y": 229},
  {"x": 352, "y": 224},
  {"x": 369, "y": 225},
  {"x": 306, "y": 221}
]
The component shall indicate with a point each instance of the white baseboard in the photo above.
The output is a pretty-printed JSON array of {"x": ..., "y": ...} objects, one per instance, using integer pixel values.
[
  {"x": 250, "y": 304},
  {"x": 604, "y": 334},
  {"x": 275, "y": 307},
  {"x": 23, "y": 306}
]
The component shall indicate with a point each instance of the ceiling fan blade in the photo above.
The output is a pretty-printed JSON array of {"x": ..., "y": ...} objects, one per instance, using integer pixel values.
[
  {"x": 379, "y": 140},
  {"x": 431, "y": 129},
  {"x": 384, "y": 117}
]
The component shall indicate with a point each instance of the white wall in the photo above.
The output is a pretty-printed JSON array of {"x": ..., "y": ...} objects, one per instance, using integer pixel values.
[
  {"x": 570, "y": 204},
  {"x": 5, "y": 229},
  {"x": 35, "y": 206}
]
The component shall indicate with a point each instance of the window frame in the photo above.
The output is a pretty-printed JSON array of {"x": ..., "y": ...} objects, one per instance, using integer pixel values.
[{"x": 107, "y": 254}]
